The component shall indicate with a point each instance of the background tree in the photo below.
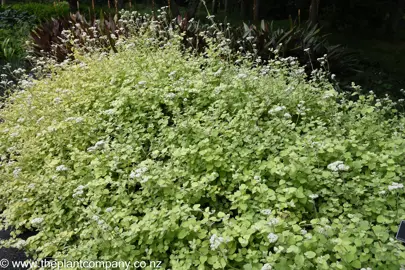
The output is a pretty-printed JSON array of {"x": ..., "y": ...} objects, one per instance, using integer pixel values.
[
  {"x": 73, "y": 6},
  {"x": 314, "y": 11}
]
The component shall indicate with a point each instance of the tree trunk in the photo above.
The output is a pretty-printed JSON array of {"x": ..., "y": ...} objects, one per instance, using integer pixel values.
[
  {"x": 314, "y": 11},
  {"x": 242, "y": 8},
  {"x": 174, "y": 9},
  {"x": 3, "y": 3},
  {"x": 226, "y": 6},
  {"x": 120, "y": 4},
  {"x": 192, "y": 9},
  {"x": 214, "y": 8},
  {"x": 256, "y": 11},
  {"x": 395, "y": 17},
  {"x": 73, "y": 6}
]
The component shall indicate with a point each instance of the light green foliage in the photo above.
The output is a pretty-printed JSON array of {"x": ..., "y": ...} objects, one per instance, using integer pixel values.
[{"x": 154, "y": 154}]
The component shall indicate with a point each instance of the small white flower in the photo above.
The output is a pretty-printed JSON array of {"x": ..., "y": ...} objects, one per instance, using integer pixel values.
[
  {"x": 215, "y": 241},
  {"x": 61, "y": 168},
  {"x": 276, "y": 109},
  {"x": 109, "y": 112},
  {"x": 99, "y": 145},
  {"x": 272, "y": 237},
  {"x": 31, "y": 186},
  {"x": 144, "y": 179},
  {"x": 37, "y": 221},
  {"x": 313, "y": 196},
  {"x": 266, "y": 212},
  {"x": 77, "y": 193},
  {"x": 79, "y": 119},
  {"x": 171, "y": 74},
  {"x": 395, "y": 185},
  {"x": 20, "y": 244},
  {"x": 308, "y": 236},
  {"x": 57, "y": 100},
  {"x": 109, "y": 209},
  {"x": 382, "y": 192},
  {"x": 287, "y": 115},
  {"x": 132, "y": 175},
  {"x": 95, "y": 217},
  {"x": 274, "y": 221},
  {"x": 170, "y": 95},
  {"x": 141, "y": 82},
  {"x": 304, "y": 232},
  {"x": 267, "y": 266},
  {"x": 338, "y": 166},
  {"x": 257, "y": 178},
  {"x": 91, "y": 149},
  {"x": 368, "y": 268},
  {"x": 306, "y": 50},
  {"x": 16, "y": 172},
  {"x": 242, "y": 76}
]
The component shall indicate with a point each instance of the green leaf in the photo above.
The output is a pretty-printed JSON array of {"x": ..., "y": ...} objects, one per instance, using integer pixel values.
[{"x": 310, "y": 254}]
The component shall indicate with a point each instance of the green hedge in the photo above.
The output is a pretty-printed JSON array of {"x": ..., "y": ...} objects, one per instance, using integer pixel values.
[{"x": 154, "y": 154}]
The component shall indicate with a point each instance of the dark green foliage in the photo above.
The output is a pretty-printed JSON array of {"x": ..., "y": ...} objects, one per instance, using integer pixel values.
[
  {"x": 11, "y": 17},
  {"x": 43, "y": 11}
]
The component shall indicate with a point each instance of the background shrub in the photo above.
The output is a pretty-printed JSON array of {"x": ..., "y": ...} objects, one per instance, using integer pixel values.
[{"x": 156, "y": 154}]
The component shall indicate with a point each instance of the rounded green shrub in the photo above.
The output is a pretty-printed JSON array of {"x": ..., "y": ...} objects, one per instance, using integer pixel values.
[{"x": 157, "y": 154}]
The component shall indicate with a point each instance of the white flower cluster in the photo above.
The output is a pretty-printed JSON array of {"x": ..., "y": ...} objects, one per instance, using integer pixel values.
[
  {"x": 276, "y": 109},
  {"x": 242, "y": 76},
  {"x": 267, "y": 266},
  {"x": 272, "y": 237},
  {"x": 139, "y": 173},
  {"x": 338, "y": 166},
  {"x": 76, "y": 119},
  {"x": 37, "y": 221},
  {"x": 216, "y": 241},
  {"x": 313, "y": 196},
  {"x": 368, "y": 268},
  {"x": 109, "y": 112},
  {"x": 329, "y": 94},
  {"x": 61, "y": 168},
  {"x": 395, "y": 185},
  {"x": 170, "y": 95},
  {"x": 266, "y": 212},
  {"x": 78, "y": 191},
  {"x": 16, "y": 172},
  {"x": 31, "y": 186},
  {"x": 273, "y": 222},
  {"x": 20, "y": 244},
  {"x": 98, "y": 146},
  {"x": 301, "y": 109},
  {"x": 287, "y": 115}
]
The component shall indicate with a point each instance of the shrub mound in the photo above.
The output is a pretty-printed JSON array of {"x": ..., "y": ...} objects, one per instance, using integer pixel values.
[{"x": 156, "y": 154}]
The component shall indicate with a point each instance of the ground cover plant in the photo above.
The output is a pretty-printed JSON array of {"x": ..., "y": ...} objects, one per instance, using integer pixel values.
[{"x": 156, "y": 153}]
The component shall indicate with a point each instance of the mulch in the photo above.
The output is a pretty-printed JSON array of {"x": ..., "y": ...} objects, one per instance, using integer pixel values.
[{"x": 13, "y": 254}]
